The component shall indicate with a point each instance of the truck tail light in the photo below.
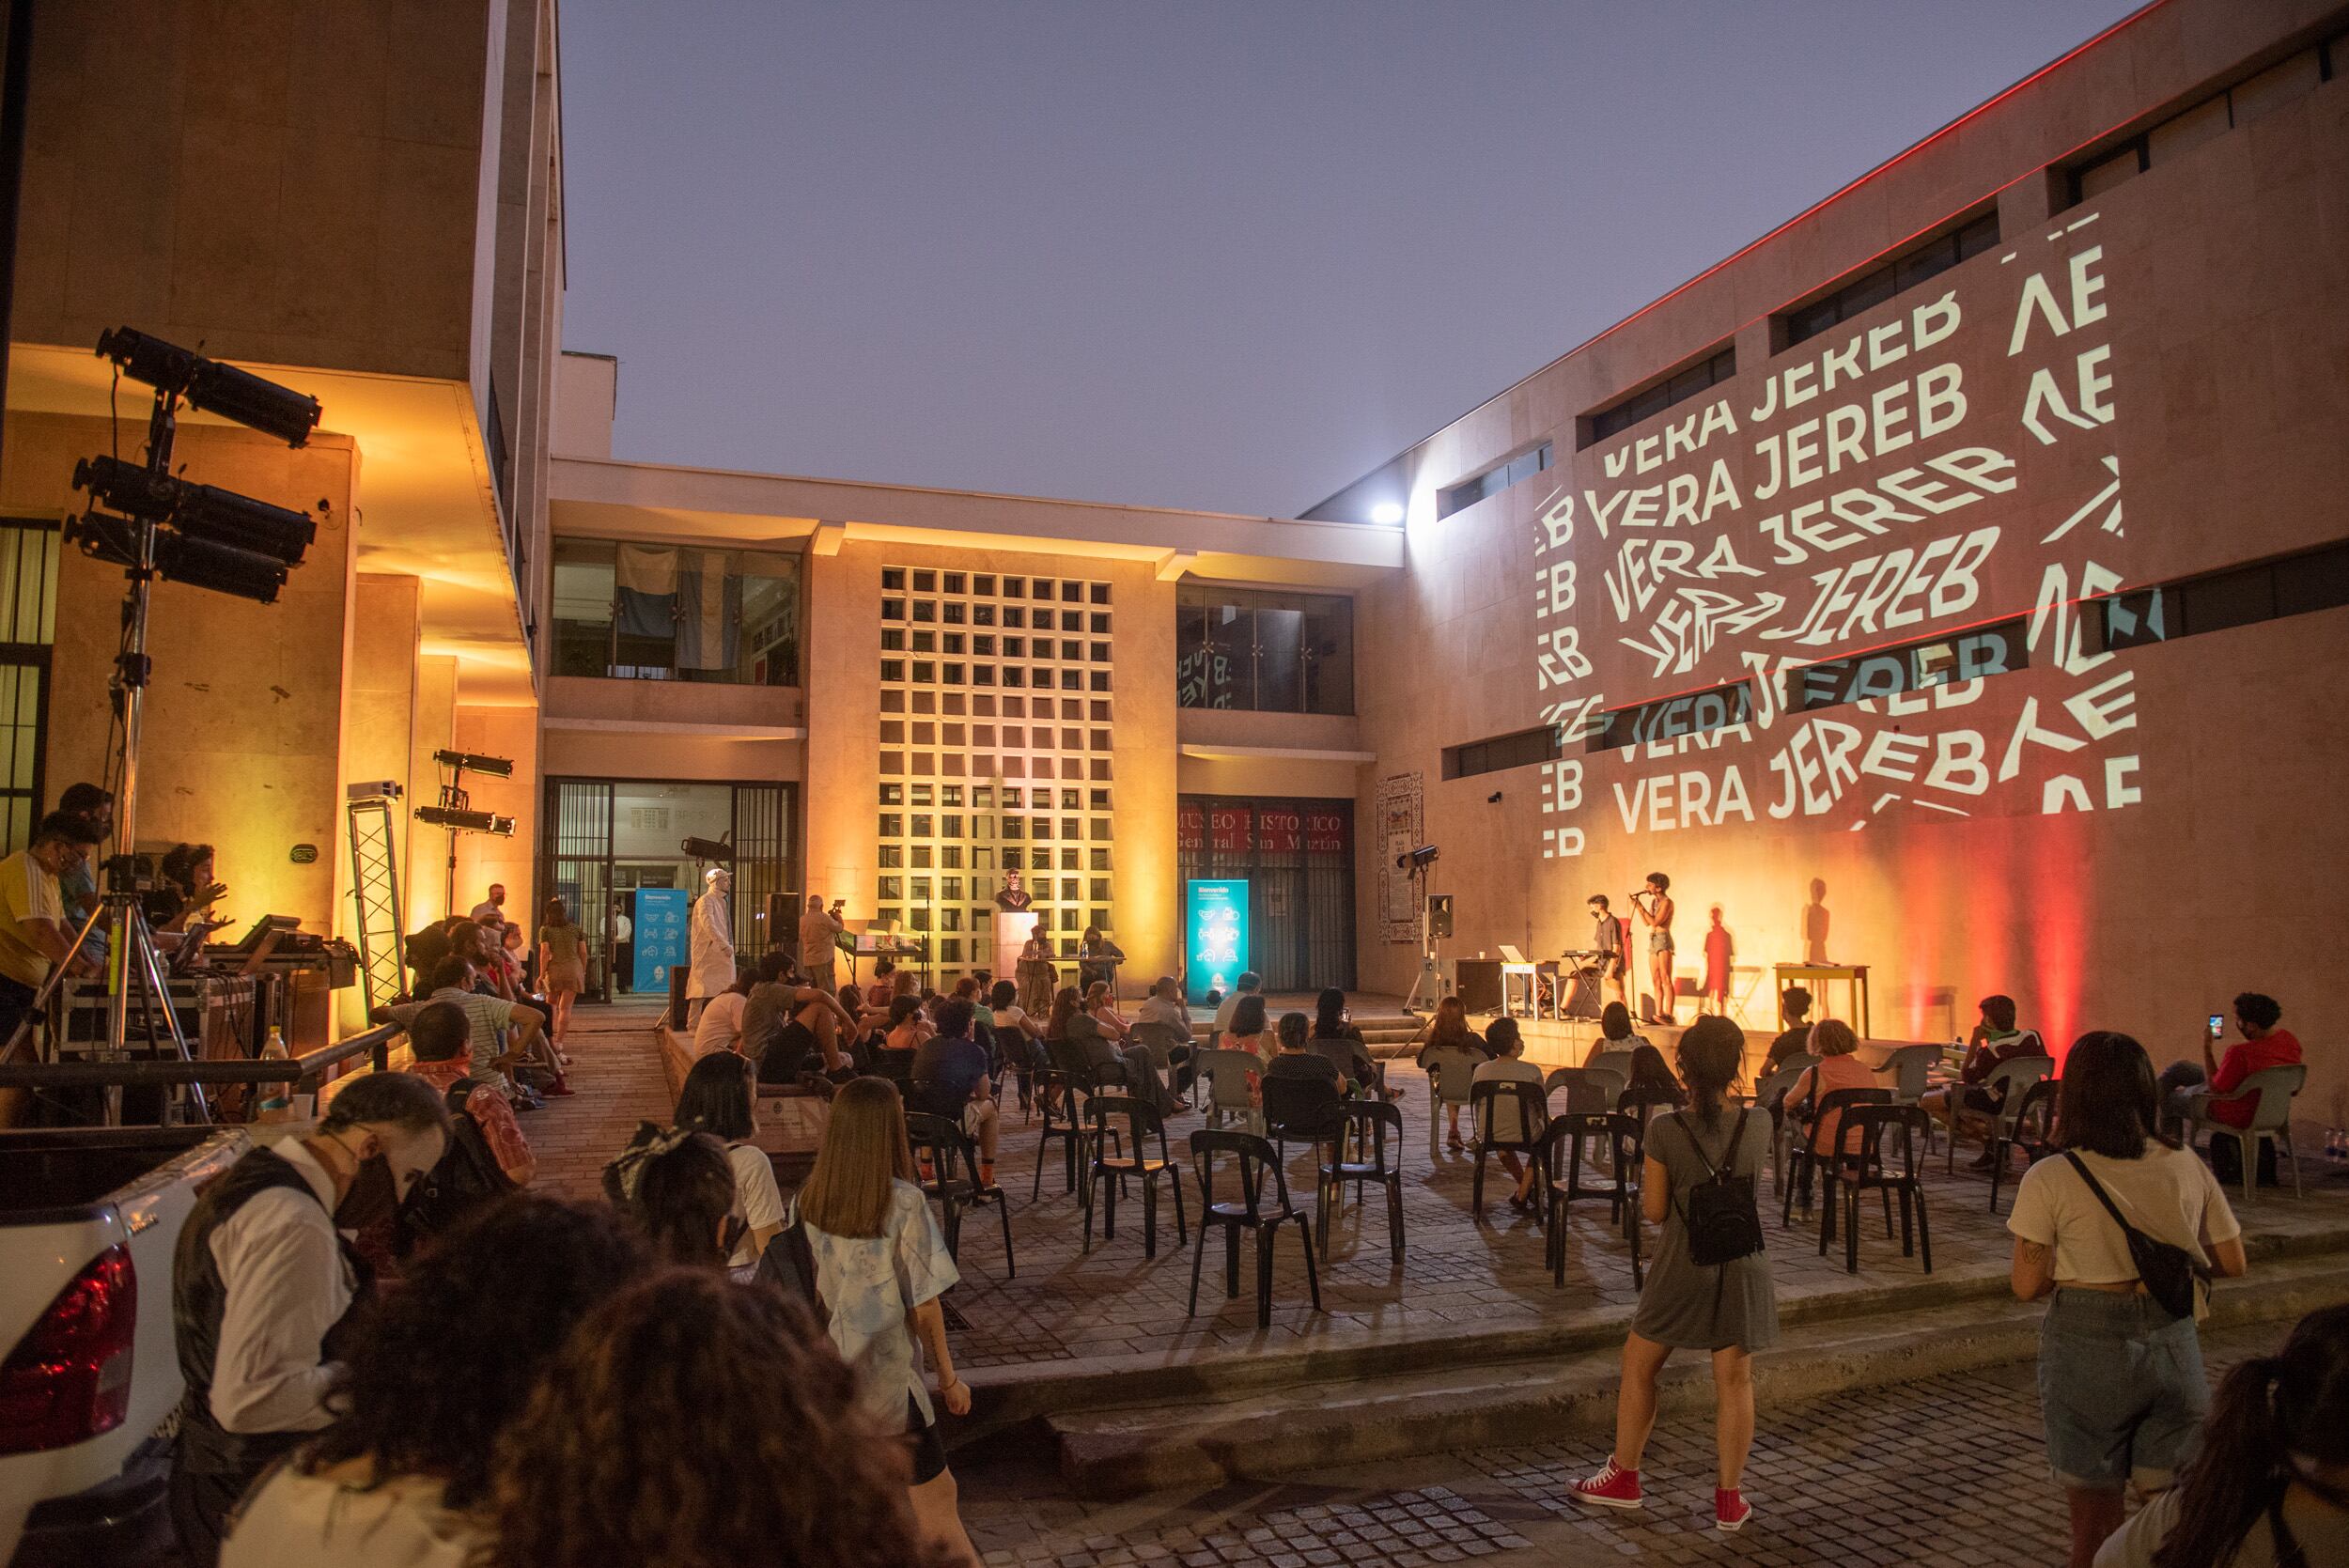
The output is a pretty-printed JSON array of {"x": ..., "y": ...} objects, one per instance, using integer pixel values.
[{"x": 69, "y": 1379}]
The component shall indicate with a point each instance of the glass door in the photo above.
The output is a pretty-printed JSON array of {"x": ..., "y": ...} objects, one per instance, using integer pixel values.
[{"x": 580, "y": 870}]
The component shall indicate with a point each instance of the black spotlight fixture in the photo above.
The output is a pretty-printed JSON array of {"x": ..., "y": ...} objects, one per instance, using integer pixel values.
[
  {"x": 203, "y": 512},
  {"x": 1416, "y": 859},
  {"x": 211, "y": 386},
  {"x": 474, "y": 761},
  {"x": 463, "y": 821}
]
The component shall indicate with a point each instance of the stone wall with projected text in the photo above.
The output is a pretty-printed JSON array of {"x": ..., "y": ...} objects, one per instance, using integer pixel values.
[{"x": 1834, "y": 529}]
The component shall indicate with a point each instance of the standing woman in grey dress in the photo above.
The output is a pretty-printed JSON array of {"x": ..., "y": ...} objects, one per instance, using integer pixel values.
[{"x": 1729, "y": 1309}]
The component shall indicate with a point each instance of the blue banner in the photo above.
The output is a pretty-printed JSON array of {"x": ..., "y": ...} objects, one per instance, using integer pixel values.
[
  {"x": 663, "y": 916},
  {"x": 1215, "y": 931}
]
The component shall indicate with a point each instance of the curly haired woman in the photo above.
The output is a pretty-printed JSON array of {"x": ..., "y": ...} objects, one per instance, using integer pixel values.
[
  {"x": 698, "y": 1423},
  {"x": 399, "y": 1478}
]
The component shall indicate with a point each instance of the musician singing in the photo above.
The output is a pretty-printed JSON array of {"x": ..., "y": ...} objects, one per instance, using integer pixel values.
[
  {"x": 1655, "y": 905},
  {"x": 1607, "y": 941}
]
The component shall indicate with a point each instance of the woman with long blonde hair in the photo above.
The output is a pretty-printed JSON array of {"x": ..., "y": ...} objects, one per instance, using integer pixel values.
[{"x": 881, "y": 1267}]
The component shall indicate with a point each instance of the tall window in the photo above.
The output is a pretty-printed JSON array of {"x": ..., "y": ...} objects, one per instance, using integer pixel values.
[
  {"x": 28, "y": 616},
  {"x": 642, "y": 612},
  {"x": 1264, "y": 650}
]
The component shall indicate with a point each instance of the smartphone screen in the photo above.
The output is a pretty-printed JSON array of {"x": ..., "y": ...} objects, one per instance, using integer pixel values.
[{"x": 2218, "y": 1026}]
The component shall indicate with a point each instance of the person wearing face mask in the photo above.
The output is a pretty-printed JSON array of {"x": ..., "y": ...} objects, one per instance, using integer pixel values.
[{"x": 262, "y": 1279}]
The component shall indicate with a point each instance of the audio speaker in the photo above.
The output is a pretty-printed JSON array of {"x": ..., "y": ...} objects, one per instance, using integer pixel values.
[
  {"x": 1440, "y": 915},
  {"x": 1477, "y": 983}
]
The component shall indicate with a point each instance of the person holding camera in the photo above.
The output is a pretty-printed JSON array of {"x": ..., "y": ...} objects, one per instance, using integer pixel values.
[{"x": 2264, "y": 1045}]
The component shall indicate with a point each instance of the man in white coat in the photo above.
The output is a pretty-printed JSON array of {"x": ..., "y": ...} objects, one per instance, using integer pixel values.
[{"x": 712, "y": 955}]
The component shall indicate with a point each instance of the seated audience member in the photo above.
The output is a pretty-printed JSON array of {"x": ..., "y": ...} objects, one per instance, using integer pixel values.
[
  {"x": 678, "y": 1186},
  {"x": 261, "y": 1281},
  {"x": 1996, "y": 1039},
  {"x": 399, "y": 1479},
  {"x": 1794, "y": 1006},
  {"x": 1448, "y": 1031},
  {"x": 1615, "y": 1031},
  {"x": 971, "y": 988},
  {"x": 767, "y": 1004},
  {"x": 691, "y": 1423},
  {"x": 2264, "y": 1045},
  {"x": 950, "y": 1080},
  {"x": 1246, "y": 1030},
  {"x": 1084, "y": 1034},
  {"x": 883, "y": 984},
  {"x": 1509, "y": 1065},
  {"x": 815, "y": 1034},
  {"x": 487, "y": 1019},
  {"x": 441, "y": 1040},
  {"x": 1105, "y": 1011},
  {"x": 909, "y": 1026},
  {"x": 1834, "y": 1044},
  {"x": 719, "y": 1026},
  {"x": 720, "y": 1098},
  {"x": 2269, "y": 1483},
  {"x": 1293, "y": 1058},
  {"x": 1335, "y": 1037},
  {"x": 1016, "y": 1037},
  {"x": 1165, "y": 1005},
  {"x": 1250, "y": 983}
]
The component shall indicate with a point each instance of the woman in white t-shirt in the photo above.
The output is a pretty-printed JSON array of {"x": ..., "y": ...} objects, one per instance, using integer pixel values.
[
  {"x": 1508, "y": 1114},
  {"x": 401, "y": 1478},
  {"x": 881, "y": 1267},
  {"x": 2121, "y": 1381},
  {"x": 717, "y": 1099}
]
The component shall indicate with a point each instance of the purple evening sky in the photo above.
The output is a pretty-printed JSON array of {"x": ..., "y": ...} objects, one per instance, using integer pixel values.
[{"x": 1223, "y": 253}]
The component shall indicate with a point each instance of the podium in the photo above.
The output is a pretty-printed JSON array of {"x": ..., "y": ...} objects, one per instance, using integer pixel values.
[{"x": 1036, "y": 979}]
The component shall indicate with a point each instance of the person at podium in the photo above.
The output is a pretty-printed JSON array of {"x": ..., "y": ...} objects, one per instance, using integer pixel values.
[{"x": 1012, "y": 898}]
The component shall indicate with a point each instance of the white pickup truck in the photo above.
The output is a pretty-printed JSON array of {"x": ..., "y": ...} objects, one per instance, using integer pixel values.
[{"x": 91, "y": 1385}]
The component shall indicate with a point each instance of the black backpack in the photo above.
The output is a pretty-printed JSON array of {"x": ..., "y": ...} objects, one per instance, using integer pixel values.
[
  {"x": 1724, "y": 1224},
  {"x": 790, "y": 1265},
  {"x": 466, "y": 1177}
]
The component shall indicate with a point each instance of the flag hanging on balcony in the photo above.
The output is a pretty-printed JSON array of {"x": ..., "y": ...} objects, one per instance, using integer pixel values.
[
  {"x": 645, "y": 583},
  {"x": 709, "y": 611}
]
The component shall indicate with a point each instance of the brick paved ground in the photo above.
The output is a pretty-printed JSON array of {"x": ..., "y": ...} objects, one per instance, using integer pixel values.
[
  {"x": 1942, "y": 1470},
  {"x": 618, "y": 1075},
  {"x": 1068, "y": 1305}
]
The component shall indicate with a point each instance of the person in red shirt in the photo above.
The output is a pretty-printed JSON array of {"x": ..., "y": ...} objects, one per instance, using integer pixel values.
[{"x": 2262, "y": 1046}]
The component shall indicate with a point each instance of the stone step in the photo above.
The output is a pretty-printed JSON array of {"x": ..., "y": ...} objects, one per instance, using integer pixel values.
[{"x": 1476, "y": 1398}]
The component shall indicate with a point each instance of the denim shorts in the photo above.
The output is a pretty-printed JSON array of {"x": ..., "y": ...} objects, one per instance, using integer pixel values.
[{"x": 2121, "y": 1389}]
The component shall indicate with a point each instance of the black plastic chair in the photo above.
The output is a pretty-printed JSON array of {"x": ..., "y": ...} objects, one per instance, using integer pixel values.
[
  {"x": 1588, "y": 1092},
  {"x": 1533, "y": 1126},
  {"x": 1857, "y": 1175},
  {"x": 1053, "y": 1089},
  {"x": 2032, "y": 1130},
  {"x": 1624, "y": 1137},
  {"x": 1368, "y": 1121},
  {"x": 895, "y": 1065},
  {"x": 1252, "y": 1214},
  {"x": 1803, "y": 1161},
  {"x": 947, "y": 1147},
  {"x": 1110, "y": 1171},
  {"x": 1303, "y": 1111}
]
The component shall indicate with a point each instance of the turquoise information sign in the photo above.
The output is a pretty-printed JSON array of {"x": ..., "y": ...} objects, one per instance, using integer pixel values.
[
  {"x": 1215, "y": 926},
  {"x": 662, "y": 914}
]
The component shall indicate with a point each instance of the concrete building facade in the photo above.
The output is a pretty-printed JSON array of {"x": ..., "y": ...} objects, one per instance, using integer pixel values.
[{"x": 1944, "y": 582}]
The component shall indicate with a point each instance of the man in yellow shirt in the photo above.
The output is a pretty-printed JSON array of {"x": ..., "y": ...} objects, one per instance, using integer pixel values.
[{"x": 33, "y": 931}]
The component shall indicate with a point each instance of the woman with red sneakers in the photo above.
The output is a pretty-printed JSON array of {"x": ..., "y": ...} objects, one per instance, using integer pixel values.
[{"x": 1728, "y": 1309}]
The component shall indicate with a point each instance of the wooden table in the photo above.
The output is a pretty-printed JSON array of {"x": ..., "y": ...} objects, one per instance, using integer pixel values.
[{"x": 1854, "y": 976}]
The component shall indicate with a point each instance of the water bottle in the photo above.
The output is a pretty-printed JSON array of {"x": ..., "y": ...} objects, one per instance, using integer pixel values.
[{"x": 279, "y": 1100}]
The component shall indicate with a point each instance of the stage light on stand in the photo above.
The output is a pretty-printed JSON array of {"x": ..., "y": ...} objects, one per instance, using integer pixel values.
[
  {"x": 198, "y": 563},
  {"x": 462, "y": 820},
  {"x": 202, "y": 512},
  {"x": 471, "y": 762},
  {"x": 211, "y": 386}
]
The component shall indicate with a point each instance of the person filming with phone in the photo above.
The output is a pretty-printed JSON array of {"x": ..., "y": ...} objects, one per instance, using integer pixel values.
[{"x": 2264, "y": 1045}]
